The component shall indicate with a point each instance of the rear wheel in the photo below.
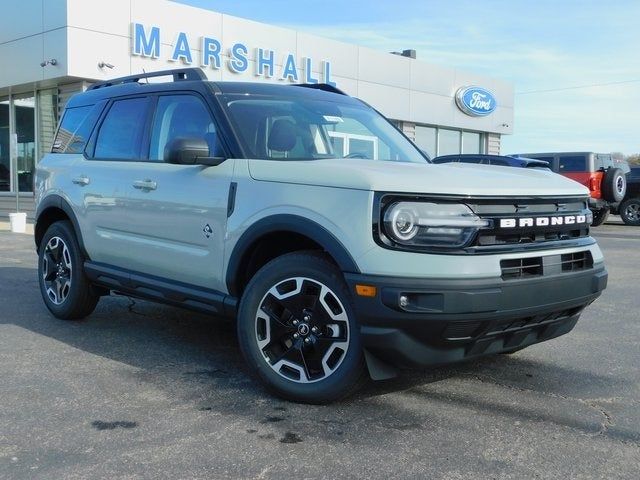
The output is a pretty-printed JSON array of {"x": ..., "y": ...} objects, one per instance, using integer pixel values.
[
  {"x": 297, "y": 330},
  {"x": 600, "y": 216},
  {"x": 630, "y": 211},
  {"x": 65, "y": 289}
]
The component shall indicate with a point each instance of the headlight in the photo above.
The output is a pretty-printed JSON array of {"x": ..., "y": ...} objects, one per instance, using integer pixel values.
[{"x": 424, "y": 224}]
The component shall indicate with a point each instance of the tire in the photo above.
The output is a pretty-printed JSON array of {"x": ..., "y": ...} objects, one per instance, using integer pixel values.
[
  {"x": 614, "y": 185},
  {"x": 65, "y": 289},
  {"x": 297, "y": 330},
  {"x": 600, "y": 216},
  {"x": 630, "y": 211}
]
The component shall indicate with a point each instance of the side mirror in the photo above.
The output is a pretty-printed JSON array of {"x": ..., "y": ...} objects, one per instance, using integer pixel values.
[{"x": 190, "y": 151}]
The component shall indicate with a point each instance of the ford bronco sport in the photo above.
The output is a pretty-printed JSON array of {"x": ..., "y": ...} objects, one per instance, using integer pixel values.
[
  {"x": 599, "y": 172},
  {"x": 307, "y": 216}
]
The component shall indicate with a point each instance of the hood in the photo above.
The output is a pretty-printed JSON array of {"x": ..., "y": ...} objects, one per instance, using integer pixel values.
[{"x": 445, "y": 179}]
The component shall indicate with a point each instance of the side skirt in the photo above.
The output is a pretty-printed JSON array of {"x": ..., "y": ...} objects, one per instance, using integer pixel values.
[{"x": 160, "y": 290}]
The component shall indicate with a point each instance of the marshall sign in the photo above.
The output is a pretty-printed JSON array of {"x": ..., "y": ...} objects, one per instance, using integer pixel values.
[{"x": 211, "y": 53}]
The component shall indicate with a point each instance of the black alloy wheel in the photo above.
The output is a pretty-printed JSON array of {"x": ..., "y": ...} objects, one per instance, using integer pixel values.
[
  {"x": 297, "y": 330},
  {"x": 57, "y": 270},
  {"x": 65, "y": 289},
  {"x": 630, "y": 211}
]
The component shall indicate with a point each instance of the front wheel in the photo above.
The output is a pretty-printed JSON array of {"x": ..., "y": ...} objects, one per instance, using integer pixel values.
[
  {"x": 600, "y": 216},
  {"x": 297, "y": 330},
  {"x": 630, "y": 211}
]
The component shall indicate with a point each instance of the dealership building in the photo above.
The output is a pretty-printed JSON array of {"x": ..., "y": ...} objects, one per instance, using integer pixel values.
[{"x": 52, "y": 49}]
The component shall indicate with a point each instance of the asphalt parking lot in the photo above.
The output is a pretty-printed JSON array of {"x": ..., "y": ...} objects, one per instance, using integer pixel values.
[{"x": 145, "y": 391}]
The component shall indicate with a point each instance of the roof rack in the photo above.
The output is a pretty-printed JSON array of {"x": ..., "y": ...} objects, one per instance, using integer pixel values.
[
  {"x": 321, "y": 86},
  {"x": 177, "y": 74}
]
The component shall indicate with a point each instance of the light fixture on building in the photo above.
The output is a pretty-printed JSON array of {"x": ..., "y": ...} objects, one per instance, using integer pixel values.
[
  {"x": 53, "y": 61},
  {"x": 105, "y": 64},
  {"x": 411, "y": 53}
]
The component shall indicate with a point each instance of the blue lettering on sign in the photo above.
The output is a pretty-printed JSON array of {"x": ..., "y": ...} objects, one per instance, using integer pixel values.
[
  {"x": 211, "y": 49},
  {"x": 308, "y": 71},
  {"x": 182, "y": 50},
  {"x": 290, "y": 72},
  {"x": 475, "y": 101},
  {"x": 327, "y": 73},
  {"x": 143, "y": 45},
  {"x": 263, "y": 61},
  {"x": 238, "y": 63},
  {"x": 147, "y": 43}
]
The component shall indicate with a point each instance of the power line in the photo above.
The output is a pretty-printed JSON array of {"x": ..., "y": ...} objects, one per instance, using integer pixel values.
[{"x": 578, "y": 87}]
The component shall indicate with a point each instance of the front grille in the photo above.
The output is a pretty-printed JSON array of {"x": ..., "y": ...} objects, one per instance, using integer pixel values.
[
  {"x": 493, "y": 238},
  {"x": 519, "y": 268},
  {"x": 517, "y": 209}
]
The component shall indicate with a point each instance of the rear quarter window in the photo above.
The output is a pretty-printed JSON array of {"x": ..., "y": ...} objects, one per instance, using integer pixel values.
[{"x": 75, "y": 128}]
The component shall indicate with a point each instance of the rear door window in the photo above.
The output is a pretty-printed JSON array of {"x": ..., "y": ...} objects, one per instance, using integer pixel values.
[
  {"x": 574, "y": 163},
  {"x": 121, "y": 132}
]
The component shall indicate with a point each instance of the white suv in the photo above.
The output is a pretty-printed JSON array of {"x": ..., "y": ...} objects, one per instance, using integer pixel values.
[{"x": 302, "y": 212}]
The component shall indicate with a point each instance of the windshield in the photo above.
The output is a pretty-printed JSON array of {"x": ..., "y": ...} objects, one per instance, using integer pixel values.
[{"x": 290, "y": 128}]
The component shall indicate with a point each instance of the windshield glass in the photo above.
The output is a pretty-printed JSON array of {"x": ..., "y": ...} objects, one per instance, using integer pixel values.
[{"x": 291, "y": 128}]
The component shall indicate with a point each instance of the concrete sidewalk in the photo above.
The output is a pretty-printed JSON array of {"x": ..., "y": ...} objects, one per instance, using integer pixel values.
[{"x": 5, "y": 226}]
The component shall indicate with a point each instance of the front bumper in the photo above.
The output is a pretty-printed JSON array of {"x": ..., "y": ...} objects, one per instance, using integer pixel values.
[{"x": 446, "y": 321}]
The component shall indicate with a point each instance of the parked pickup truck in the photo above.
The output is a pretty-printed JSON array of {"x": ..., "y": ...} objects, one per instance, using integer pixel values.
[
  {"x": 629, "y": 208},
  {"x": 599, "y": 172}
]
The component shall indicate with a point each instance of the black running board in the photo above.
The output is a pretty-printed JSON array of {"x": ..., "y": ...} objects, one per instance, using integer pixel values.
[{"x": 161, "y": 290}]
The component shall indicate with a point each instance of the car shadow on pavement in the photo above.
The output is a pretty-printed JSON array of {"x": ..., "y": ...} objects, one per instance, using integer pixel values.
[{"x": 193, "y": 358}]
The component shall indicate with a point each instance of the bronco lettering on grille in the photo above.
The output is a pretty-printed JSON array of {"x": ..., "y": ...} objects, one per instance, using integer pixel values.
[{"x": 542, "y": 221}]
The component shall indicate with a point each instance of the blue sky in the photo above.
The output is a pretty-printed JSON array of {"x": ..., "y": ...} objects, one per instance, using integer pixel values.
[{"x": 536, "y": 45}]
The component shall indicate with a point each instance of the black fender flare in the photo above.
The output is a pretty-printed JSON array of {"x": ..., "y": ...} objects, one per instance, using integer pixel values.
[
  {"x": 286, "y": 223},
  {"x": 59, "y": 203}
]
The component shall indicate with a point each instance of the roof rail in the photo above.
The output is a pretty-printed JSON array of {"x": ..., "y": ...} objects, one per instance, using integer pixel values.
[
  {"x": 177, "y": 74},
  {"x": 321, "y": 86}
]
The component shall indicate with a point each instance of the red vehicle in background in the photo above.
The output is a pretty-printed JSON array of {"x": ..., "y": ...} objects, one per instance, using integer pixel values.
[{"x": 599, "y": 172}]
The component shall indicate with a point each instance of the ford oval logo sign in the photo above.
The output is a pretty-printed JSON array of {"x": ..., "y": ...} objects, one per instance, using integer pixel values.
[{"x": 475, "y": 101}]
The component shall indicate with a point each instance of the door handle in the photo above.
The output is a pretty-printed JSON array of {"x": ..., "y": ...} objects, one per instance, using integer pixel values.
[
  {"x": 82, "y": 180},
  {"x": 145, "y": 185}
]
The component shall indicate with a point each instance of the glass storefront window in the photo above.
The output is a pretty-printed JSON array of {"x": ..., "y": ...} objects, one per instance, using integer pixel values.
[
  {"x": 426, "y": 139},
  {"x": 47, "y": 120},
  {"x": 5, "y": 159},
  {"x": 438, "y": 141},
  {"x": 471, "y": 142},
  {"x": 24, "y": 111},
  {"x": 448, "y": 141}
]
